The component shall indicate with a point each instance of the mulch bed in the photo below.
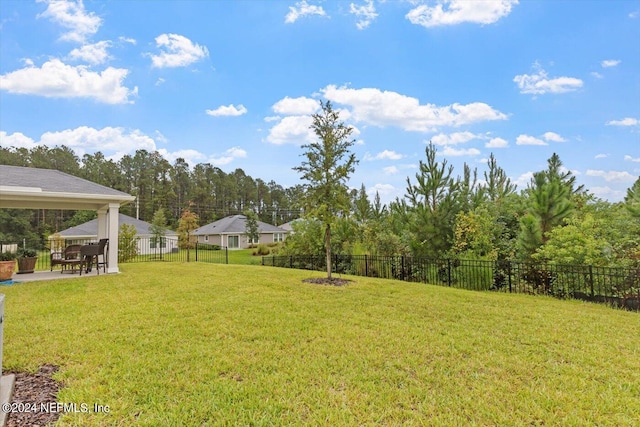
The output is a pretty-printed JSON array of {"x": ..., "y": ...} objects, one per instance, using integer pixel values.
[
  {"x": 38, "y": 388},
  {"x": 328, "y": 282}
]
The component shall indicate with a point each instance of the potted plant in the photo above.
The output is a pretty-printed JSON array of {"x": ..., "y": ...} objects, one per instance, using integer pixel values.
[
  {"x": 27, "y": 258},
  {"x": 7, "y": 265}
]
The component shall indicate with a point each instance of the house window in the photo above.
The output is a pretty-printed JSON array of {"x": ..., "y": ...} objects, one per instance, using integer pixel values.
[
  {"x": 278, "y": 237},
  {"x": 233, "y": 242},
  {"x": 253, "y": 241},
  {"x": 206, "y": 238},
  {"x": 154, "y": 241}
]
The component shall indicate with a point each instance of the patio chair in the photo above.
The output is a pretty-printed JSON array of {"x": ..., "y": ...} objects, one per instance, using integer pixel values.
[
  {"x": 103, "y": 247},
  {"x": 69, "y": 257},
  {"x": 93, "y": 251}
]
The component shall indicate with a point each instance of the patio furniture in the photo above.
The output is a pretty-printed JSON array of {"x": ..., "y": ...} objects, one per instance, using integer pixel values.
[
  {"x": 103, "y": 248},
  {"x": 90, "y": 252},
  {"x": 70, "y": 257}
]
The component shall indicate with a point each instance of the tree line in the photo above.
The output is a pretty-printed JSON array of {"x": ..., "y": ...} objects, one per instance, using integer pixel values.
[
  {"x": 443, "y": 215},
  {"x": 205, "y": 190}
]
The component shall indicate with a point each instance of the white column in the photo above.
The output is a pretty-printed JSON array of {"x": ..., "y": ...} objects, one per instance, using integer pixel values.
[
  {"x": 112, "y": 230},
  {"x": 103, "y": 232}
]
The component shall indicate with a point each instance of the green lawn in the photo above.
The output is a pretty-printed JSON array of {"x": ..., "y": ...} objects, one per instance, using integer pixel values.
[{"x": 209, "y": 344}]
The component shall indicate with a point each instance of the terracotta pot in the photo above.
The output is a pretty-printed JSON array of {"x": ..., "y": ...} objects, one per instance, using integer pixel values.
[
  {"x": 6, "y": 270},
  {"x": 27, "y": 265}
]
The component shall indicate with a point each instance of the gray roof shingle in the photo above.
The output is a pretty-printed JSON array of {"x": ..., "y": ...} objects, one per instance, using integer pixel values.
[
  {"x": 51, "y": 180},
  {"x": 90, "y": 228},
  {"x": 234, "y": 224}
]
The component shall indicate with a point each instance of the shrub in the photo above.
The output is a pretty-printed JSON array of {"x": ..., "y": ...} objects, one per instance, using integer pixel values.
[
  {"x": 27, "y": 253},
  {"x": 7, "y": 256},
  {"x": 262, "y": 250}
]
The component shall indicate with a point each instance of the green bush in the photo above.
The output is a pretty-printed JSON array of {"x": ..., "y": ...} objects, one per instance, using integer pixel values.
[
  {"x": 7, "y": 256},
  {"x": 262, "y": 250},
  {"x": 27, "y": 253}
]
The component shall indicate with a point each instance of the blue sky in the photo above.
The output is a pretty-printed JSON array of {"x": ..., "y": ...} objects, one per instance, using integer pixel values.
[{"x": 234, "y": 83}]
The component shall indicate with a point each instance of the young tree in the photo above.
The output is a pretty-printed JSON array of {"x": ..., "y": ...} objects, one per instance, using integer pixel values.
[
  {"x": 157, "y": 229},
  {"x": 188, "y": 222},
  {"x": 432, "y": 206},
  {"x": 326, "y": 169},
  {"x": 251, "y": 227},
  {"x": 632, "y": 199}
]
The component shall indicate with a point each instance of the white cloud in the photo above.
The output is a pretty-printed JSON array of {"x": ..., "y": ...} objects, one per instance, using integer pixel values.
[
  {"x": 177, "y": 51},
  {"x": 452, "y": 12},
  {"x": 72, "y": 16},
  {"x": 192, "y": 157},
  {"x": 127, "y": 40},
  {"x": 632, "y": 159},
  {"x": 272, "y": 118},
  {"x": 601, "y": 156},
  {"x": 17, "y": 140},
  {"x": 386, "y": 108},
  {"x": 540, "y": 83},
  {"x": 230, "y": 155},
  {"x": 634, "y": 14},
  {"x": 111, "y": 139},
  {"x": 366, "y": 14},
  {"x": 92, "y": 53},
  {"x": 623, "y": 176},
  {"x": 228, "y": 110},
  {"x": 529, "y": 140},
  {"x": 627, "y": 121},
  {"x": 382, "y": 189},
  {"x": 597, "y": 75},
  {"x": 553, "y": 137},
  {"x": 292, "y": 130},
  {"x": 160, "y": 81},
  {"x": 384, "y": 155},
  {"x": 390, "y": 170},
  {"x": 610, "y": 63},
  {"x": 296, "y": 106},
  {"x": 301, "y": 9},
  {"x": 497, "y": 143},
  {"x": 454, "y": 138},
  {"x": 58, "y": 80},
  {"x": 450, "y": 151},
  {"x": 523, "y": 180},
  {"x": 607, "y": 193}
]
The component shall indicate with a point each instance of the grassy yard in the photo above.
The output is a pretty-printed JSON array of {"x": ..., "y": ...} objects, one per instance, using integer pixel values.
[{"x": 208, "y": 344}]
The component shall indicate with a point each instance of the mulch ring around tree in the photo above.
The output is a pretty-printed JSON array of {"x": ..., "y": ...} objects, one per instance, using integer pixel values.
[
  {"x": 38, "y": 391},
  {"x": 328, "y": 282}
]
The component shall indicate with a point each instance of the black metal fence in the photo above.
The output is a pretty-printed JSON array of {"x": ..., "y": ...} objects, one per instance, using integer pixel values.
[
  {"x": 615, "y": 286},
  {"x": 138, "y": 249}
]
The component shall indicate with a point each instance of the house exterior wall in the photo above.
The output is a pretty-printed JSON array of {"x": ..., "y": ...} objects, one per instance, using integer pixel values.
[{"x": 224, "y": 240}]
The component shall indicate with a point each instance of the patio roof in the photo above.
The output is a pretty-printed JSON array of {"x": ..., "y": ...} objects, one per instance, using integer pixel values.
[{"x": 33, "y": 188}]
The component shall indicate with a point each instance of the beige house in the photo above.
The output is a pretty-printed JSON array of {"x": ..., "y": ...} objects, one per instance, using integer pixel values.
[{"x": 230, "y": 232}]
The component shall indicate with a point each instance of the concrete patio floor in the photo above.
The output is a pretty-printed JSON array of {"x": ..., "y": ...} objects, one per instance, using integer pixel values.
[{"x": 51, "y": 275}]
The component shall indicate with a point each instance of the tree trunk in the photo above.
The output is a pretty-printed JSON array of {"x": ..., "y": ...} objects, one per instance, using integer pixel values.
[{"x": 327, "y": 244}]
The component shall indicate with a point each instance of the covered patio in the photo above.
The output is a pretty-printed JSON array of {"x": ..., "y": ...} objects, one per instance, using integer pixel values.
[{"x": 33, "y": 188}]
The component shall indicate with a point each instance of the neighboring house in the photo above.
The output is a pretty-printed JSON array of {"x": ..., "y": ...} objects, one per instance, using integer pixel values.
[
  {"x": 147, "y": 243},
  {"x": 288, "y": 226},
  {"x": 230, "y": 232}
]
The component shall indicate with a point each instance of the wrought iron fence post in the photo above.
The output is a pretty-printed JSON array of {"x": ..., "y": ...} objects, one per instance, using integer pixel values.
[
  {"x": 196, "y": 251},
  {"x": 449, "y": 271},
  {"x": 591, "y": 279},
  {"x": 290, "y": 261},
  {"x": 509, "y": 274},
  {"x": 366, "y": 266},
  {"x": 402, "y": 266}
]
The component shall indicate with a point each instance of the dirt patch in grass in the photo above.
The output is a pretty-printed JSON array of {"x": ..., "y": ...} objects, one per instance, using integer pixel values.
[
  {"x": 35, "y": 390},
  {"x": 329, "y": 282}
]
